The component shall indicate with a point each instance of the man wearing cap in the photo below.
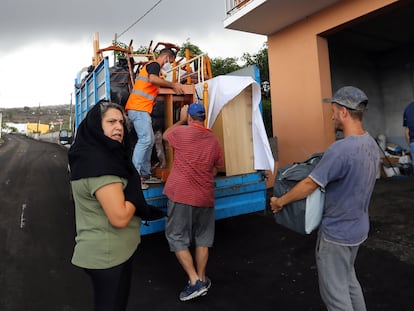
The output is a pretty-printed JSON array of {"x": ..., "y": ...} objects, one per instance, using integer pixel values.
[
  {"x": 140, "y": 105},
  {"x": 408, "y": 124},
  {"x": 347, "y": 172},
  {"x": 190, "y": 192}
]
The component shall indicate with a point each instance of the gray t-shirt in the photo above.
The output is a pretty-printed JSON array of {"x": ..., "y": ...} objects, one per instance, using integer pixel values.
[{"x": 347, "y": 171}]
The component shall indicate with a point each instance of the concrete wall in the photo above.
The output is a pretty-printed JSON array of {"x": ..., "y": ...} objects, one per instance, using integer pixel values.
[
  {"x": 52, "y": 137},
  {"x": 396, "y": 72},
  {"x": 358, "y": 69},
  {"x": 386, "y": 79}
]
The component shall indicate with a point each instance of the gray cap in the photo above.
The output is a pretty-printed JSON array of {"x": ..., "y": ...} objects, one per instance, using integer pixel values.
[{"x": 349, "y": 97}]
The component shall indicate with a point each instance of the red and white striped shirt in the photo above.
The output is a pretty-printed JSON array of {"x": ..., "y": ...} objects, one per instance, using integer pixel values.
[{"x": 196, "y": 152}]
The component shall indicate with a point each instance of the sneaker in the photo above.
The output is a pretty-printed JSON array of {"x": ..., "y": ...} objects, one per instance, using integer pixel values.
[
  {"x": 207, "y": 285},
  {"x": 193, "y": 290},
  {"x": 152, "y": 180}
]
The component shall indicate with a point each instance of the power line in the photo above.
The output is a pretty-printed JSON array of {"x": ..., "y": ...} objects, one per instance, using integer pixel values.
[{"x": 139, "y": 19}]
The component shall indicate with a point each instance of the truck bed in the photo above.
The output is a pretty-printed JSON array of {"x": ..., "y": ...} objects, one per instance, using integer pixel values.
[{"x": 234, "y": 195}]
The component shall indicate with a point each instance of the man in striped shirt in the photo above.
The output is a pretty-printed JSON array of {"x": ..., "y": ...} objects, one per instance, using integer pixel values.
[{"x": 190, "y": 192}]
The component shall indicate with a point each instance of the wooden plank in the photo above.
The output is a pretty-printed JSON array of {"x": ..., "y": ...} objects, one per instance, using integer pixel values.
[
  {"x": 233, "y": 127},
  {"x": 187, "y": 89}
]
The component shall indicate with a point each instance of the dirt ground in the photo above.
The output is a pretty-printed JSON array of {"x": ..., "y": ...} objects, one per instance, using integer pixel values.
[
  {"x": 257, "y": 264},
  {"x": 392, "y": 218}
]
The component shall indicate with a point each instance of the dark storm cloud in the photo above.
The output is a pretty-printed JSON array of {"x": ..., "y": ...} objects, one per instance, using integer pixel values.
[
  {"x": 40, "y": 37},
  {"x": 26, "y": 21}
]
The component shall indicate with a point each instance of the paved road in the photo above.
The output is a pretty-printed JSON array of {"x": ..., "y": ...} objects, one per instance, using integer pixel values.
[
  {"x": 36, "y": 228},
  {"x": 254, "y": 265}
]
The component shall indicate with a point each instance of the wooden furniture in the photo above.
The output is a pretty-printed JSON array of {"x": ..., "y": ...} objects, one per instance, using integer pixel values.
[
  {"x": 172, "y": 104},
  {"x": 233, "y": 127}
]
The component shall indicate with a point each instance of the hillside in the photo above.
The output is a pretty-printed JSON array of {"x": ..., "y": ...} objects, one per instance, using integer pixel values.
[{"x": 44, "y": 115}]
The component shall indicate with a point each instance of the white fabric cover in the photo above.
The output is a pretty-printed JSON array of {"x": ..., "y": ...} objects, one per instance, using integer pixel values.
[{"x": 221, "y": 90}]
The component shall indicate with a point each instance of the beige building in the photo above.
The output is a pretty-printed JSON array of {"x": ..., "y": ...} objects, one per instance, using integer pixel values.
[{"x": 316, "y": 47}]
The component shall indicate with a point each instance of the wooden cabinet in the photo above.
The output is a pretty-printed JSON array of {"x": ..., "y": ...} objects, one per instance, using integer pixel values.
[{"x": 233, "y": 127}]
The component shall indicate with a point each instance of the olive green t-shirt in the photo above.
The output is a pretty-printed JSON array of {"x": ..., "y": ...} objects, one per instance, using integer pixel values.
[{"x": 99, "y": 245}]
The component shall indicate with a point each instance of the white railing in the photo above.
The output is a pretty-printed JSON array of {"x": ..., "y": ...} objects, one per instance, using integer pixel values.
[
  {"x": 198, "y": 67},
  {"x": 233, "y": 5}
]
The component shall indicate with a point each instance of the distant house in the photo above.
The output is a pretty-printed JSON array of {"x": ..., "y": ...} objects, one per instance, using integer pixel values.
[
  {"x": 20, "y": 127},
  {"x": 29, "y": 128},
  {"x": 37, "y": 128}
]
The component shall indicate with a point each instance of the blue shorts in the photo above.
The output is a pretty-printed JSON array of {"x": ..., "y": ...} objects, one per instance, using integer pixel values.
[{"x": 187, "y": 224}]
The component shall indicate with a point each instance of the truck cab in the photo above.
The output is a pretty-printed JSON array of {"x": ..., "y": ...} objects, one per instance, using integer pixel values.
[{"x": 65, "y": 137}]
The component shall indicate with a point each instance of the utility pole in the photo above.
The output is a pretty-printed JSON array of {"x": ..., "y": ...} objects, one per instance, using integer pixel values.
[
  {"x": 115, "y": 43},
  {"x": 70, "y": 113},
  {"x": 1, "y": 122},
  {"x": 38, "y": 119}
]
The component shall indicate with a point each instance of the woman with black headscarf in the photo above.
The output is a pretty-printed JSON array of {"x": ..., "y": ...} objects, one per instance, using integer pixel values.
[{"x": 107, "y": 194}]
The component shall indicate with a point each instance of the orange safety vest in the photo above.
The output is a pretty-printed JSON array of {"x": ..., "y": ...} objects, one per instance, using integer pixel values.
[{"x": 143, "y": 94}]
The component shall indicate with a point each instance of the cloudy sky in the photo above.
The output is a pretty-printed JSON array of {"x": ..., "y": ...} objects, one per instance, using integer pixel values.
[{"x": 44, "y": 43}]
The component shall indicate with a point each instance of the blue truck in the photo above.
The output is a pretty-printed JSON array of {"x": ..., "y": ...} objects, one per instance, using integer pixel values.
[{"x": 234, "y": 195}]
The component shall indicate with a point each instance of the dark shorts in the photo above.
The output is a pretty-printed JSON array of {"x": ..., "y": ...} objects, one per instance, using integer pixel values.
[{"x": 187, "y": 224}]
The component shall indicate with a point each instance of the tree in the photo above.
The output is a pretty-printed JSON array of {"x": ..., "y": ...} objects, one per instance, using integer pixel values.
[
  {"x": 261, "y": 60},
  {"x": 194, "y": 49},
  {"x": 222, "y": 66},
  {"x": 119, "y": 54}
]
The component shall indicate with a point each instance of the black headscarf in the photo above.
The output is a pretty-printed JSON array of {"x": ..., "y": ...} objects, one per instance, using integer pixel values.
[{"x": 93, "y": 154}]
